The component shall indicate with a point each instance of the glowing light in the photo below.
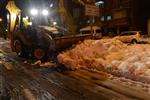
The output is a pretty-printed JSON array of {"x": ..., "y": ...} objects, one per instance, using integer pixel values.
[
  {"x": 54, "y": 23},
  {"x": 51, "y": 5},
  {"x": 99, "y": 2},
  {"x": 8, "y": 17},
  {"x": 45, "y": 12},
  {"x": 34, "y": 12},
  {"x": 13, "y": 16},
  {"x": 1, "y": 19},
  {"x": 30, "y": 23}
]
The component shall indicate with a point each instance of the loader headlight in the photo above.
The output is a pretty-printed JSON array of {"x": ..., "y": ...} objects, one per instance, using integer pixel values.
[
  {"x": 45, "y": 12},
  {"x": 34, "y": 12}
]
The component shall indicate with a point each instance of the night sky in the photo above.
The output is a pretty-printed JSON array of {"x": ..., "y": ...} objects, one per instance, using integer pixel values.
[{"x": 24, "y": 5}]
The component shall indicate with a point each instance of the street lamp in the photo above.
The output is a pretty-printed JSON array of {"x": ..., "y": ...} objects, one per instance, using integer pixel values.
[{"x": 99, "y": 3}]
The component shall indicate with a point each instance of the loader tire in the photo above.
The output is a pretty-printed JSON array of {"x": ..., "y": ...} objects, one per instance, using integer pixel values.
[
  {"x": 20, "y": 48},
  {"x": 39, "y": 53}
]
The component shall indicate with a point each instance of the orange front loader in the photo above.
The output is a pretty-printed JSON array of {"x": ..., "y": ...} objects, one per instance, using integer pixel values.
[{"x": 38, "y": 41}]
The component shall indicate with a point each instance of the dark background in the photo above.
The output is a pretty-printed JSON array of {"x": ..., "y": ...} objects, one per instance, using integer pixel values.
[{"x": 24, "y": 5}]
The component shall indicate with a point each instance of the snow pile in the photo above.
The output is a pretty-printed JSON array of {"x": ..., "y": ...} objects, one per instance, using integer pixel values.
[
  {"x": 110, "y": 55},
  {"x": 135, "y": 63},
  {"x": 88, "y": 54},
  {"x": 113, "y": 45},
  {"x": 40, "y": 64}
]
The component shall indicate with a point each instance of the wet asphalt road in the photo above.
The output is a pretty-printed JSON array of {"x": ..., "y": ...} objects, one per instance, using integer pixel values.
[
  {"x": 21, "y": 81},
  {"x": 24, "y": 81}
]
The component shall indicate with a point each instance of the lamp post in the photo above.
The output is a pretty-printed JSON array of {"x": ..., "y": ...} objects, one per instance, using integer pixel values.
[
  {"x": 100, "y": 4},
  {"x": 14, "y": 11}
]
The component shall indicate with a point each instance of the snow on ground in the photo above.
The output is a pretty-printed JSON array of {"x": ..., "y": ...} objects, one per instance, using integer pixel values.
[
  {"x": 110, "y": 55},
  {"x": 132, "y": 62},
  {"x": 92, "y": 53}
]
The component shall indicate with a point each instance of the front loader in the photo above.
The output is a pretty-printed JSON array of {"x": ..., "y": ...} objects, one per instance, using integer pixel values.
[{"x": 35, "y": 39}]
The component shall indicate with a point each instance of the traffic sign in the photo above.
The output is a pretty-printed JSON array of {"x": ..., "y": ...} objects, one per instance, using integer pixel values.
[{"x": 91, "y": 10}]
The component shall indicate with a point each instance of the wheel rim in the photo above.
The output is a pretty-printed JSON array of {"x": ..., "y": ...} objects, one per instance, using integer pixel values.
[
  {"x": 18, "y": 47},
  {"x": 39, "y": 53},
  {"x": 134, "y": 42}
]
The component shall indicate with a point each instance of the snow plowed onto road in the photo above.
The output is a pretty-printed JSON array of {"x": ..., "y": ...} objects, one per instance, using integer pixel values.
[
  {"x": 84, "y": 54},
  {"x": 110, "y": 55}
]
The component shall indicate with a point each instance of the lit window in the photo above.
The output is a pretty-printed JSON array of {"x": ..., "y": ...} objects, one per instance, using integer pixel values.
[
  {"x": 102, "y": 18},
  {"x": 109, "y": 17}
]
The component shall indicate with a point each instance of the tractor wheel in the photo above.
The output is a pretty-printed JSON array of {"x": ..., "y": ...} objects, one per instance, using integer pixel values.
[
  {"x": 19, "y": 48},
  {"x": 39, "y": 53}
]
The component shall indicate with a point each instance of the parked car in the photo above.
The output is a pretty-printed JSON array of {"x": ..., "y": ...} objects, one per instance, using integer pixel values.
[
  {"x": 130, "y": 36},
  {"x": 145, "y": 39},
  {"x": 96, "y": 31}
]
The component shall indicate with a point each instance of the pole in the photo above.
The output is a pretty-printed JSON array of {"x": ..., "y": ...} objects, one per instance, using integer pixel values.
[{"x": 91, "y": 24}]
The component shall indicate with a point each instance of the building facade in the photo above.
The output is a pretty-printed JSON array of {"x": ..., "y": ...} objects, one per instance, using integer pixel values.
[
  {"x": 123, "y": 15},
  {"x": 77, "y": 10}
]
